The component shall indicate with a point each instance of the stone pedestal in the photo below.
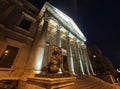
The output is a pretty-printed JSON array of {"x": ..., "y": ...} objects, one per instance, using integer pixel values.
[{"x": 52, "y": 83}]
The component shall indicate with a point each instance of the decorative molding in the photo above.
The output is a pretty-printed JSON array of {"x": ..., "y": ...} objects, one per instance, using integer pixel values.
[
  {"x": 58, "y": 27},
  {"x": 47, "y": 17},
  {"x": 3, "y": 28},
  {"x": 29, "y": 17},
  {"x": 7, "y": 69}
]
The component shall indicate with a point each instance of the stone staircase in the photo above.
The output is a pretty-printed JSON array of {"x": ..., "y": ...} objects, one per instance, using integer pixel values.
[
  {"x": 82, "y": 82},
  {"x": 89, "y": 82},
  {"x": 8, "y": 84}
]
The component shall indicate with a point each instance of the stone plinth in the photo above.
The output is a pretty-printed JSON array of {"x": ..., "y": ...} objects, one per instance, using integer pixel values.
[
  {"x": 52, "y": 83},
  {"x": 54, "y": 75}
]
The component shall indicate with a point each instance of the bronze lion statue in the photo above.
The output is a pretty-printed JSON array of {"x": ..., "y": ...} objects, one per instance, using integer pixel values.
[{"x": 55, "y": 61}]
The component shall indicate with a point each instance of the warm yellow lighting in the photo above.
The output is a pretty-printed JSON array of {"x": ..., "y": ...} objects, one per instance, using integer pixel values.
[
  {"x": 6, "y": 51},
  {"x": 60, "y": 71},
  {"x": 37, "y": 72},
  {"x": 39, "y": 58}
]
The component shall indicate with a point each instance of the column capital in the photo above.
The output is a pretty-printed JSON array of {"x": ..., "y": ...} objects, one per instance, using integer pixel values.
[
  {"x": 58, "y": 26},
  {"x": 76, "y": 40},
  {"x": 58, "y": 35},
  {"x": 46, "y": 17},
  {"x": 67, "y": 33},
  {"x": 84, "y": 46}
]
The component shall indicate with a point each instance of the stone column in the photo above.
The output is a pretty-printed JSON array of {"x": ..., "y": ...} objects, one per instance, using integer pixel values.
[
  {"x": 58, "y": 39},
  {"x": 82, "y": 62},
  {"x": 93, "y": 73},
  {"x": 45, "y": 56},
  {"x": 77, "y": 69},
  {"x": 86, "y": 59},
  {"x": 82, "y": 57},
  {"x": 69, "y": 54},
  {"x": 78, "y": 56},
  {"x": 40, "y": 45},
  {"x": 89, "y": 62},
  {"x": 58, "y": 36}
]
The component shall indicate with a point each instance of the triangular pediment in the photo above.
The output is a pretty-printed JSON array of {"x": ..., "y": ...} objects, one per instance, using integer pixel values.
[{"x": 66, "y": 21}]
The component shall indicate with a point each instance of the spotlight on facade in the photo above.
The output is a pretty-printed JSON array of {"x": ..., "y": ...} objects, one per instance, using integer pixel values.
[{"x": 37, "y": 72}]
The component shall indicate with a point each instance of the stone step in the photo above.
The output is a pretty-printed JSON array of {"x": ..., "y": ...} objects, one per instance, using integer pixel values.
[
  {"x": 88, "y": 82},
  {"x": 8, "y": 84}
]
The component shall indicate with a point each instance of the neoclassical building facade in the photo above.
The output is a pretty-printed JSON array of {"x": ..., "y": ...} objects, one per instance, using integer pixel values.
[
  {"x": 59, "y": 29},
  {"x": 27, "y": 37}
]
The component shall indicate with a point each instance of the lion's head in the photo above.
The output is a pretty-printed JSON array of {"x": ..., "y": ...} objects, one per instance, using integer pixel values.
[{"x": 56, "y": 50}]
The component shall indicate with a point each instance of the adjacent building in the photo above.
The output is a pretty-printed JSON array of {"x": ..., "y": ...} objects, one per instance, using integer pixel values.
[{"x": 101, "y": 63}]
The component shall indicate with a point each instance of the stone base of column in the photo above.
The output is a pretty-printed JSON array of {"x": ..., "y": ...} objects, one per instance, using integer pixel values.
[{"x": 51, "y": 83}]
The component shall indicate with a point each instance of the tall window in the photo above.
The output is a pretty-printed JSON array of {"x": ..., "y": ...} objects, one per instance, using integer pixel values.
[
  {"x": 25, "y": 24},
  {"x": 8, "y": 56}
]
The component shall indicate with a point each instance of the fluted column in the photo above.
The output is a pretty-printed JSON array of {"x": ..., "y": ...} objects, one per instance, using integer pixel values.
[
  {"x": 89, "y": 63},
  {"x": 86, "y": 59},
  {"x": 78, "y": 56},
  {"x": 93, "y": 73},
  {"x": 58, "y": 36},
  {"x": 69, "y": 54},
  {"x": 82, "y": 61},
  {"x": 40, "y": 45},
  {"x": 82, "y": 58}
]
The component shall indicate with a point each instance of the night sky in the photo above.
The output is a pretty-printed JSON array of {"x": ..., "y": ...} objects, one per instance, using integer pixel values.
[{"x": 99, "y": 20}]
